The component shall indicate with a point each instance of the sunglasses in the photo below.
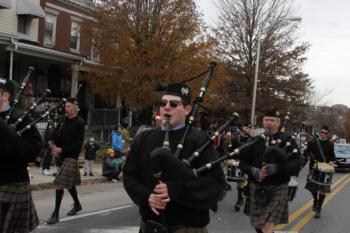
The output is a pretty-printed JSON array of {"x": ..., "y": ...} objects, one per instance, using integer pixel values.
[
  {"x": 324, "y": 132},
  {"x": 172, "y": 103}
]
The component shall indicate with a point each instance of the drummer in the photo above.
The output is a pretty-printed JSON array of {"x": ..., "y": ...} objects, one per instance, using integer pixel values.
[{"x": 319, "y": 149}]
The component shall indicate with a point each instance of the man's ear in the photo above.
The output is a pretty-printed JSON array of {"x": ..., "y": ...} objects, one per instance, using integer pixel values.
[{"x": 188, "y": 109}]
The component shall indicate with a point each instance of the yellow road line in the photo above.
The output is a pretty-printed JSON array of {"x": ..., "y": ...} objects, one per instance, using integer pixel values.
[
  {"x": 308, "y": 205},
  {"x": 311, "y": 214}
]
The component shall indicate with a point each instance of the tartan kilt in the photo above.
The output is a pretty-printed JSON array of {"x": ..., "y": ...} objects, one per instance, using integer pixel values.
[
  {"x": 21, "y": 216},
  {"x": 276, "y": 211},
  {"x": 68, "y": 175},
  {"x": 314, "y": 187}
]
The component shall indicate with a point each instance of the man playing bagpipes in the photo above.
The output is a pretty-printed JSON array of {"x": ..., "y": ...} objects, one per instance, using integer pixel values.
[
  {"x": 270, "y": 165},
  {"x": 320, "y": 152},
  {"x": 66, "y": 144},
  {"x": 176, "y": 205},
  {"x": 17, "y": 210}
]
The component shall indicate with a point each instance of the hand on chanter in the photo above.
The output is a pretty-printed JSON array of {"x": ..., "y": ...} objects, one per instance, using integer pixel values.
[{"x": 159, "y": 199}]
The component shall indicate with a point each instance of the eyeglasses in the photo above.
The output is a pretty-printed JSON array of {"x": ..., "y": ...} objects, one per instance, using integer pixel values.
[
  {"x": 172, "y": 103},
  {"x": 324, "y": 132}
]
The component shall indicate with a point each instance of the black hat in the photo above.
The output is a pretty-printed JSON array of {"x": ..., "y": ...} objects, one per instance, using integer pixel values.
[
  {"x": 247, "y": 124},
  {"x": 7, "y": 85},
  {"x": 181, "y": 90},
  {"x": 273, "y": 112},
  {"x": 73, "y": 100}
]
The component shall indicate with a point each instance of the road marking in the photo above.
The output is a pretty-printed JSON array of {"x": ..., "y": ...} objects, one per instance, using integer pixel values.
[
  {"x": 311, "y": 214},
  {"x": 308, "y": 205},
  {"x": 95, "y": 213},
  {"x": 121, "y": 229}
]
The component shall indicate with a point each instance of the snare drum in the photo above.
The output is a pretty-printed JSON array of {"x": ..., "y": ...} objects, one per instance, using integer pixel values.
[
  {"x": 292, "y": 189},
  {"x": 322, "y": 174},
  {"x": 234, "y": 173}
]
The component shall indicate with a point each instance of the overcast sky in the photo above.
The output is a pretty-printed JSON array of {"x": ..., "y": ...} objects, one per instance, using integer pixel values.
[{"x": 326, "y": 26}]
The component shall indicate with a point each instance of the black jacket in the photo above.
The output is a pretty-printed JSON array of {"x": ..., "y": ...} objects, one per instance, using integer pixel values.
[
  {"x": 90, "y": 150},
  {"x": 191, "y": 199},
  {"x": 312, "y": 151},
  {"x": 16, "y": 154},
  {"x": 288, "y": 164},
  {"x": 70, "y": 137}
]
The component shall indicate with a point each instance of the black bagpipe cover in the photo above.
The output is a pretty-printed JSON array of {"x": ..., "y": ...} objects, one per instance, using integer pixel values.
[
  {"x": 274, "y": 154},
  {"x": 7, "y": 133},
  {"x": 167, "y": 167}
]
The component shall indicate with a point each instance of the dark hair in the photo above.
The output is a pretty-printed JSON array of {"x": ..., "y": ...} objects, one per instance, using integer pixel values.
[
  {"x": 325, "y": 127},
  {"x": 125, "y": 123}
]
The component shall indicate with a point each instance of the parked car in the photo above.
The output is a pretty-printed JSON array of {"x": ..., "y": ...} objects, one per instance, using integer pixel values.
[{"x": 342, "y": 155}]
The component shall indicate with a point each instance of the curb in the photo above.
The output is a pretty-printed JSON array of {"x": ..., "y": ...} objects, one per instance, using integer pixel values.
[{"x": 50, "y": 185}]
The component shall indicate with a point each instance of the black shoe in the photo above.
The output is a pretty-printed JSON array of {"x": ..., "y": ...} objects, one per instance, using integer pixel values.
[
  {"x": 53, "y": 220},
  {"x": 237, "y": 208},
  {"x": 85, "y": 174},
  {"x": 318, "y": 214},
  {"x": 90, "y": 174},
  {"x": 75, "y": 210}
]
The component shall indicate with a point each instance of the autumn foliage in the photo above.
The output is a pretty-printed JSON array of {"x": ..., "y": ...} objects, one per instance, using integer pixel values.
[{"x": 145, "y": 42}]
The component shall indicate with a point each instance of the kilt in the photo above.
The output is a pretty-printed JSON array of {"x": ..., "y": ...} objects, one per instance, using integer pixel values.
[
  {"x": 21, "y": 215},
  {"x": 314, "y": 188},
  {"x": 276, "y": 211},
  {"x": 68, "y": 175}
]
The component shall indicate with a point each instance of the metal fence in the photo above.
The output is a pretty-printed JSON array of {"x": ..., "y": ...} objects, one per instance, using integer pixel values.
[{"x": 103, "y": 118}]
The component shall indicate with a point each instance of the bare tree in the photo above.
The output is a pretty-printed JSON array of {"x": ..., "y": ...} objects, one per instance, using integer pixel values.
[{"x": 281, "y": 81}]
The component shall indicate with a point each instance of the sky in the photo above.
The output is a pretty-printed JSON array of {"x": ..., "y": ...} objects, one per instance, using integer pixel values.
[{"x": 325, "y": 25}]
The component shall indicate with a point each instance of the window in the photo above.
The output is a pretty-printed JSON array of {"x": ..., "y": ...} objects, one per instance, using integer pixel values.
[
  {"x": 94, "y": 51},
  {"x": 50, "y": 30},
  {"x": 23, "y": 24},
  {"x": 75, "y": 36}
]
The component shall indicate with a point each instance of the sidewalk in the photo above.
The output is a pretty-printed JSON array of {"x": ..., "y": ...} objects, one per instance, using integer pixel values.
[{"x": 39, "y": 181}]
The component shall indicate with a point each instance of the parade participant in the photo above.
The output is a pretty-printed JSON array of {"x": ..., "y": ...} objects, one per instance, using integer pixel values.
[
  {"x": 66, "y": 143},
  {"x": 178, "y": 206},
  {"x": 269, "y": 169},
  {"x": 242, "y": 138},
  {"x": 319, "y": 149},
  {"x": 17, "y": 210}
]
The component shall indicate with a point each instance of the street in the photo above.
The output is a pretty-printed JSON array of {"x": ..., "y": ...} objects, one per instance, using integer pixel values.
[{"x": 107, "y": 209}]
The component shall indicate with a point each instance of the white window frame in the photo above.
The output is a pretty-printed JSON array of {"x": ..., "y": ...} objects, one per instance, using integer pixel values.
[
  {"x": 54, "y": 22},
  {"x": 72, "y": 31}
]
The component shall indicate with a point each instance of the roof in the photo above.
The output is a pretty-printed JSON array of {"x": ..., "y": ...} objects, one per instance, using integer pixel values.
[
  {"x": 29, "y": 7},
  {"x": 5, "y": 4}
]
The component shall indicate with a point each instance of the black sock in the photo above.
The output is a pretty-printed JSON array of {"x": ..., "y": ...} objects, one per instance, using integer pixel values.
[
  {"x": 59, "y": 196},
  {"x": 73, "y": 192},
  {"x": 239, "y": 196},
  {"x": 321, "y": 198},
  {"x": 314, "y": 195}
]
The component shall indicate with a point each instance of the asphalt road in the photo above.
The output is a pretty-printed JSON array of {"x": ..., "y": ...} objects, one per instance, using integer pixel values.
[{"x": 107, "y": 209}]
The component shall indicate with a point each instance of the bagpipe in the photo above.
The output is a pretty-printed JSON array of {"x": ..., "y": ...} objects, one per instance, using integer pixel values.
[
  {"x": 12, "y": 127},
  {"x": 167, "y": 166}
]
